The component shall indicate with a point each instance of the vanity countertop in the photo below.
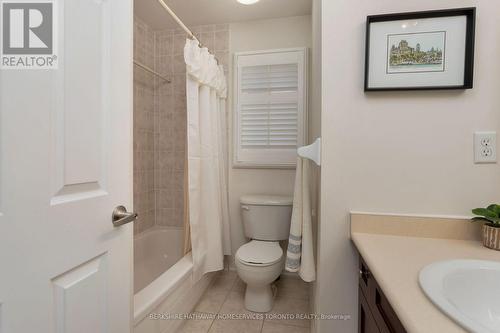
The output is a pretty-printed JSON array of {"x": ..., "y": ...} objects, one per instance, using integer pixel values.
[{"x": 396, "y": 259}]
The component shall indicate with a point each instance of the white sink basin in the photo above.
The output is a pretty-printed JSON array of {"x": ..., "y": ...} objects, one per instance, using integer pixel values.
[{"x": 466, "y": 290}]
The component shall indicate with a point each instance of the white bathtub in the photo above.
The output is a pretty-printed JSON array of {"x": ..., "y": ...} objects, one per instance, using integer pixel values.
[
  {"x": 164, "y": 283},
  {"x": 155, "y": 250}
]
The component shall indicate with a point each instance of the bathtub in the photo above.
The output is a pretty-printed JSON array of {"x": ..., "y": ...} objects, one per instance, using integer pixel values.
[
  {"x": 163, "y": 280},
  {"x": 155, "y": 250}
]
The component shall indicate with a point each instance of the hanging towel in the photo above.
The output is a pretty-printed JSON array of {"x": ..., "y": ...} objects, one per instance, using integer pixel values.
[{"x": 300, "y": 256}]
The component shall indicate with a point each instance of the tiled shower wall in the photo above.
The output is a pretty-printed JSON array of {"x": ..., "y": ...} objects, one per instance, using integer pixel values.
[
  {"x": 170, "y": 132},
  {"x": 170, "y": 115},
  {"x": 160, "y": 120},
  {"x": 144, "y": 91}
]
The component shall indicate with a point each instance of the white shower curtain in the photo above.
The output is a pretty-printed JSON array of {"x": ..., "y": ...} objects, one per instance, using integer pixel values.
[{"x": 206, "y": 92}]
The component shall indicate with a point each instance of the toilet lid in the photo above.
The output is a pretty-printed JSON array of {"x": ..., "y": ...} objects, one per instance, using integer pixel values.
[{"x": 260, "y": 253}]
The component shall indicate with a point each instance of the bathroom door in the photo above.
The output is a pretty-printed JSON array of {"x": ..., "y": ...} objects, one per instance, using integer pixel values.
[{"x": 65, "y": 164}]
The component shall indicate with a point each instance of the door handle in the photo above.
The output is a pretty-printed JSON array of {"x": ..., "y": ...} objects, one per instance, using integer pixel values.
[{"x": 121, "y": 216}]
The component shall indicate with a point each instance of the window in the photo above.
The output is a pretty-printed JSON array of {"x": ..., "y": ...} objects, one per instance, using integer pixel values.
[{"x": 270, "y": 103}]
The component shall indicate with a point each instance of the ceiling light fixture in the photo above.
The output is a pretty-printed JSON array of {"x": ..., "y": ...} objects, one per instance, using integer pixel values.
[{"x": 248, "y": 2}]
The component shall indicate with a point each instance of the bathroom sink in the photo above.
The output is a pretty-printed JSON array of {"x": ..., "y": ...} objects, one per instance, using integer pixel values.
[{"x": 468, "y": 291}]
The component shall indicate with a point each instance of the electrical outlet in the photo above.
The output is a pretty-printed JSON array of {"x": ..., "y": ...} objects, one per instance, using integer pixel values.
[{"x": 485, "y": 147}]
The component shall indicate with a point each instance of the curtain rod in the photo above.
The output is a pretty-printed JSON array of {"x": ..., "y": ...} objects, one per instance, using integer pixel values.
[{"x": 184, "y": 27}]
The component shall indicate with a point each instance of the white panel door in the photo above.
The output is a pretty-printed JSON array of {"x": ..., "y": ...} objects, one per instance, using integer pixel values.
[{"x": 65, "y": 164}]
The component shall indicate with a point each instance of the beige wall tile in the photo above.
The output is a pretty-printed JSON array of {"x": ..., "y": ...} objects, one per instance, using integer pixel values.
[
  {"x": 164, "y": 66},
  {"x": 163, "y": 179},
  {"x": 207, "y": 38},
  {"x": 221, "y": 40},
  {"x": 221, "y": 27},
  {"x": 207, "y": 28},
  {"x": 165, "y": 199},
  {"x": 160, "y": 118},
  {"x": 179, "y": 42},
  {"x": 144, "y": 107},
  {"x": 165, "y": 217},
  {"x": 179, "y": 64}
]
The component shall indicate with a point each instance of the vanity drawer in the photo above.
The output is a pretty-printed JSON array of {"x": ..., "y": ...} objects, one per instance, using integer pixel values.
[{"x": 381, "y": 310}]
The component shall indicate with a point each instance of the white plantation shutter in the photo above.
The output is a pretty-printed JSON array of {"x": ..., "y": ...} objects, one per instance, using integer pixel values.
[{"x": 270, "y": 107}]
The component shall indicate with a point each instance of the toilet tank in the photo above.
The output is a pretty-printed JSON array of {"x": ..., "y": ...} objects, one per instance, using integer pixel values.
[{"x": 266, "y": 217}]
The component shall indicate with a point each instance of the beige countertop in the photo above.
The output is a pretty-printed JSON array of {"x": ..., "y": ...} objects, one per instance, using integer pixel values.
[{"x": 396, "y": 260}]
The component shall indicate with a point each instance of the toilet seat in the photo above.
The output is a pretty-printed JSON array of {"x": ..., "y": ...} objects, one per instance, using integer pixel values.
[{"x": 259, "y": 253}]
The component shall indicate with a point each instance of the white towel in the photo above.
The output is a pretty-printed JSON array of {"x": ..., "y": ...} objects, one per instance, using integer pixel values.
[{"x": 300, "y": 255}]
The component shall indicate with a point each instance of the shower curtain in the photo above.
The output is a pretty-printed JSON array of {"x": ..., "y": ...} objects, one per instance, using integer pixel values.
[{"x": 208, "y": 211}]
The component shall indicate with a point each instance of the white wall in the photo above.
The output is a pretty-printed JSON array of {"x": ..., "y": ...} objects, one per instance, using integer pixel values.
[
  {"x": 315, "y": 90},
  {"x": 406, "y": 152},
  {"x": 252, "y": 36}
]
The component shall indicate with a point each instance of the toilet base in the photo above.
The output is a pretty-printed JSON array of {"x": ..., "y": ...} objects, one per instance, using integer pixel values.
[{"x": 259, "y": 298}]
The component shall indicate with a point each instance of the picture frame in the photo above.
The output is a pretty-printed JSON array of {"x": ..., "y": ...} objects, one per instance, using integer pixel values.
[{"x": 427, "y": 50}]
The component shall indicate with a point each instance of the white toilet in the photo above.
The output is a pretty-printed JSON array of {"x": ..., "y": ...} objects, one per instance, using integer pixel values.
[{"x": 266, "y": 220}]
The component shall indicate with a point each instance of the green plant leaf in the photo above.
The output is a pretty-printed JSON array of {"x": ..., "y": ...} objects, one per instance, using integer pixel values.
[
  {"x": 490, "y": 221},
  {"x": 493, "y": 219},
  {"x": 494, "y": 208},
  {"x": 484, "y": 212}
]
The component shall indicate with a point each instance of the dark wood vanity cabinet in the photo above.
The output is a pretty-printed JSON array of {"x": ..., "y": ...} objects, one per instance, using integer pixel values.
[
  {"x": 375, "y": 313},
  {"x": 367, "y": 323}
]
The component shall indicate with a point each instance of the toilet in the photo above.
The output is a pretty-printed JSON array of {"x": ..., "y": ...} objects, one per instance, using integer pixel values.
[{"x": 266, "y": 220}]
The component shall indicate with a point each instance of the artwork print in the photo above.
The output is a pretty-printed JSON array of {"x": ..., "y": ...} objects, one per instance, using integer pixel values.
[{"x": 416, "y": 52}]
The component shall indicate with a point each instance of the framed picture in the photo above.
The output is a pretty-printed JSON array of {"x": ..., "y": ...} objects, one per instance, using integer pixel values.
[{"x": 420, "y": 50}]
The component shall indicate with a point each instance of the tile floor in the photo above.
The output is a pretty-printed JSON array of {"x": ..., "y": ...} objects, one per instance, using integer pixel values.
[{"x": 224, "y": 300}]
